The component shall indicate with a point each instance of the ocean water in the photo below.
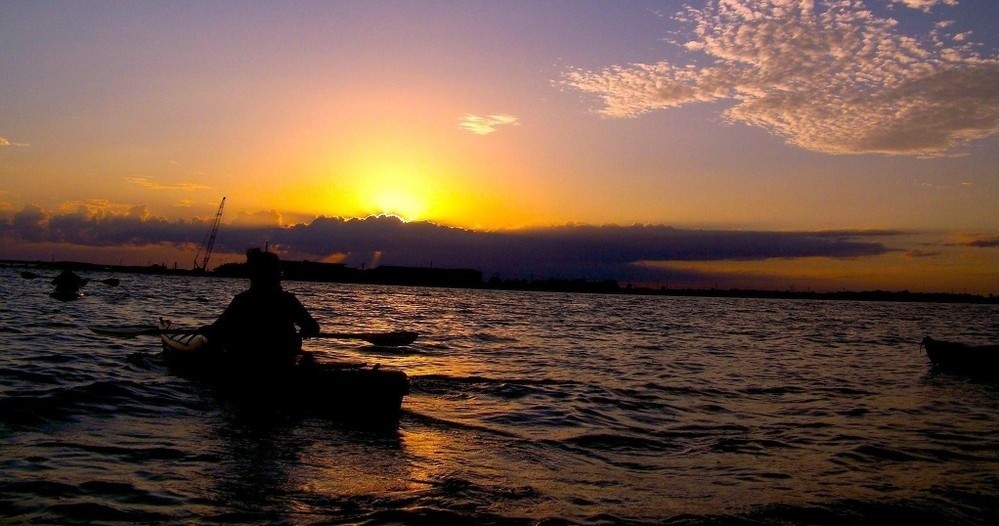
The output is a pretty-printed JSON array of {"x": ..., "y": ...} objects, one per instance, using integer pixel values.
[{"x": 526, "y": 408}]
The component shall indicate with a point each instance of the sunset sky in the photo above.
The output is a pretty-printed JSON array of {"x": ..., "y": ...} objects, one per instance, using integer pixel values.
[{"x": 828, "y": 145}]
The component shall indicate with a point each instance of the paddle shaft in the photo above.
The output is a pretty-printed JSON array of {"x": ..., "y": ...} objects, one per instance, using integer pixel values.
[
  {"x": 108, "y": 281},
  {"x": 390, "y": 339}
]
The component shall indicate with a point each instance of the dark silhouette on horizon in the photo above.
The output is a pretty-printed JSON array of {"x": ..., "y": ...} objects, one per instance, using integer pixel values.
[{"x": 471, "y": 278}]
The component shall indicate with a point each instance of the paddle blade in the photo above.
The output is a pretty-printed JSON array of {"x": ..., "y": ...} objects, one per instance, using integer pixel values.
[
  {"x": 393, "y": 339},
  {"x": 131, "y": 331},
  {"x": 383, "y": 339}
]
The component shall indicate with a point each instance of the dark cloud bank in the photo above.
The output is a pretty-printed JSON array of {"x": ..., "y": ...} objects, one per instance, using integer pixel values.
[{"x": 575, "y": 251}]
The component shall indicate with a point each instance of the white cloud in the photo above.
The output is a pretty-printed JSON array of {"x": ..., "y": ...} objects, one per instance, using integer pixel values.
[
  {"x": 828, "y": 76},
  {"x": 488, "y": 124},
  {"x": 4, "y": 142},
  {"x": 924, "y": 5}
]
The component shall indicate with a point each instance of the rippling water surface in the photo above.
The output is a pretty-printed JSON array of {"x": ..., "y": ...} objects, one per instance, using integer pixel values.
[{"x": 526, "y": 408}]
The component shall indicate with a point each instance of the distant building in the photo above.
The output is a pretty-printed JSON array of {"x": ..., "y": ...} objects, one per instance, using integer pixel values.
[
  {"x": 314, "y": 271},
  {"x": 433, "y": 277},
  {"x": 387, "y": 275}
]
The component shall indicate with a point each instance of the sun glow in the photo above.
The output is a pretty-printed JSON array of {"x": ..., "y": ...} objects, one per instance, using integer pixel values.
[
  {"x": 413, "y": 177},
  {"x": 396, "y": 190}
]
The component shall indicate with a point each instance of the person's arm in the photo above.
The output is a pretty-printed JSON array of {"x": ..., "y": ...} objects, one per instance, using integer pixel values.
[
  {"x": 308, "y": 326},
  {"x": 223, "y": 325}
]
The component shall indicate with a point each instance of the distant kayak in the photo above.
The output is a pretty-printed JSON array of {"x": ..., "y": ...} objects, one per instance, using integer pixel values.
[
  {"x": 357, "y": 392},
  {"x": 977, "y": 360},
  {"x": 68, "y": 285},
  {"x": 69, "y": 291},
  {"x": 66, "y": 295}
]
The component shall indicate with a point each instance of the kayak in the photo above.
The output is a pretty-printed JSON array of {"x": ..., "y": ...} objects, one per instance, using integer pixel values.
[
  {"x": 66, "y": 295},
  {"x": 978, "y": 360},
  {"x": 66, "y": 292},
  {"x": 68, "y": 288},
  {"x": 353, "y": 391}
]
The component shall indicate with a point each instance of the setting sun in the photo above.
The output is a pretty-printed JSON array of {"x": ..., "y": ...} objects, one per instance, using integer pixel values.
[{"x": 406, "y": 197}]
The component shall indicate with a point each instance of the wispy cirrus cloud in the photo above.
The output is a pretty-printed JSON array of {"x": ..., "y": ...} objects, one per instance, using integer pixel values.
[
  {"x": 984, "y": 242},
  {"x": 147, "y": 183},
  {"x": 480, "y": 125},
  {"x": 922, "y": 253},
  {"x": 4, "y": 142},
  {"x": 826, "y": 75}
]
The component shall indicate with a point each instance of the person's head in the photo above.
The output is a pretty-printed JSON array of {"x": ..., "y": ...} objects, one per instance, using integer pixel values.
[{"x": 265, "y": 268}]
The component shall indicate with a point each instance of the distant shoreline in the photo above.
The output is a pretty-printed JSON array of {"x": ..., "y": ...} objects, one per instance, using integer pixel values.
[{"x": 472, "y": 279}]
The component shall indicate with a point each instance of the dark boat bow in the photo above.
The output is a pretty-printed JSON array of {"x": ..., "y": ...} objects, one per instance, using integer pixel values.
[{"x": 976, "y": 360}]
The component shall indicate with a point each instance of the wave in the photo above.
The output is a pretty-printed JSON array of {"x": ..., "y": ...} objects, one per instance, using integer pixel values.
[
  {"x": 710, "y": 412},
  {"x": 443, "y": 384},
  {"x": 105, "y": 397},
  {"x": 621, "y": 443},
  {"x": 91, "y": 512}
]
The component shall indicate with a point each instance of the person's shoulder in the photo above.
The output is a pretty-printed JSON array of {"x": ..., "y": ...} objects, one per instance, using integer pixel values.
[
  {"x": 290, "y": 299},
  {"x": 289, "y": 296},
  {"x": 242, "y": 297}
]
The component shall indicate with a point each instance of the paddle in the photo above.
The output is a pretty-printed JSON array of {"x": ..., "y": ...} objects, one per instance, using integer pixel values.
[
  {"x": 134, "y": 330},
  {"x": 384, "y": 339},
  {"x": 111, "y": 282}
]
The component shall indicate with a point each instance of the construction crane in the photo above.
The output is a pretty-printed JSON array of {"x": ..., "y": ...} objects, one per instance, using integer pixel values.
[{"x": 209, "y": 241}]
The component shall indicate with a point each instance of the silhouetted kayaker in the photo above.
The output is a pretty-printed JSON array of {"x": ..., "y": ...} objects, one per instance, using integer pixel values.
[{"x": 259, "y": 325}]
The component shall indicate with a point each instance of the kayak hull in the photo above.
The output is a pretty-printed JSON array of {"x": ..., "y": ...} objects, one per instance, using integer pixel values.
[
  {"x": 66, "y": 295},
  {"x": 371, "y": 395},
  {"x": 976, "y": 360}
]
